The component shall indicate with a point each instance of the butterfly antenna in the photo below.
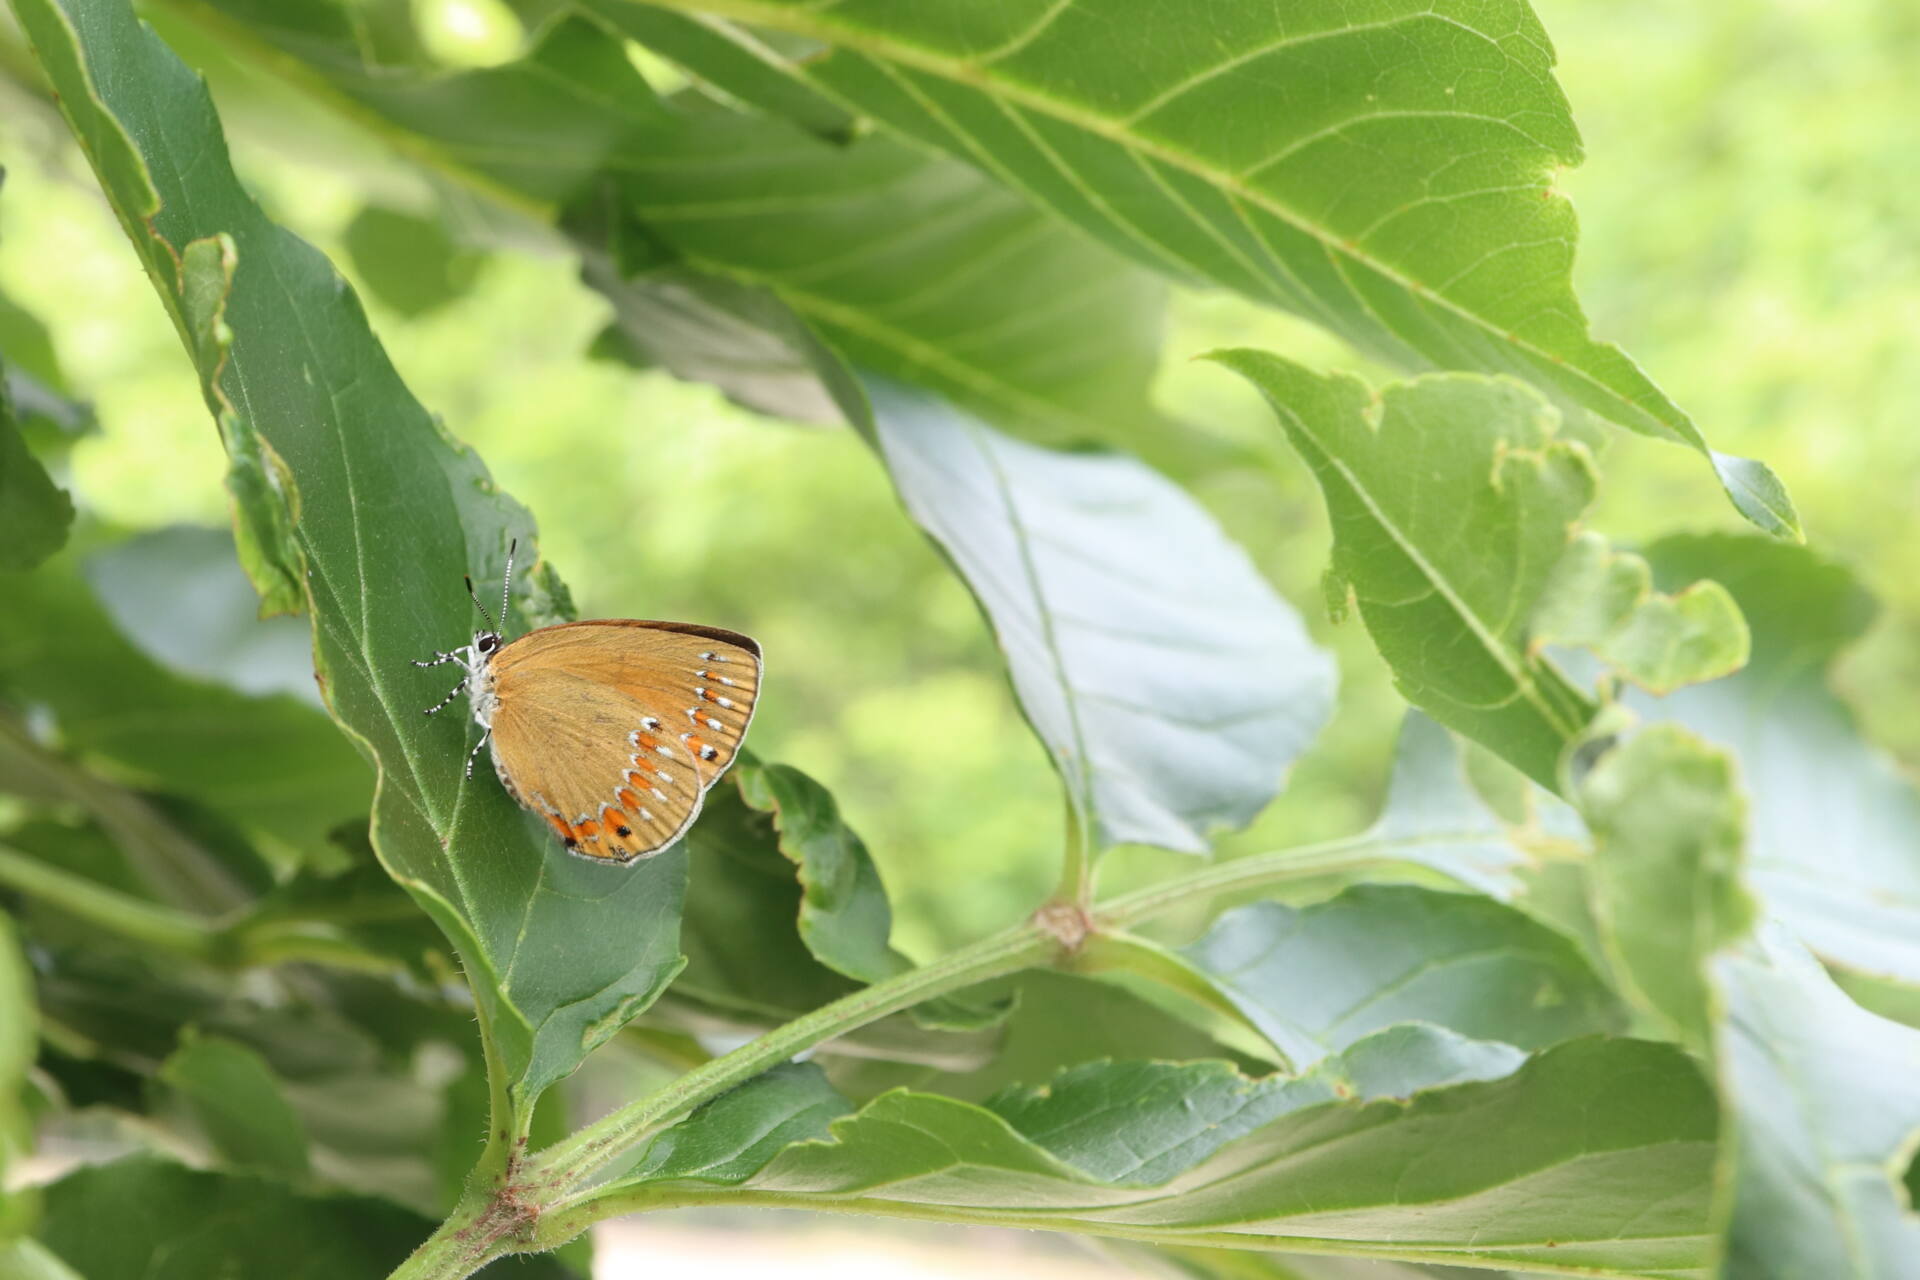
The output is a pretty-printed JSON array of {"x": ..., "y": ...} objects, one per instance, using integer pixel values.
[
  {"x": 476, "y": 602},
  {"x": 506, "y": 588}
]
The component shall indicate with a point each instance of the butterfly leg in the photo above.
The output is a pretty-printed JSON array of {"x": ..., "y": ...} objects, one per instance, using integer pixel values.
[
  {"x": 451, "y": 695},
  {"x": 476, "y": 750},
  {"x": 437, "y": 659}
]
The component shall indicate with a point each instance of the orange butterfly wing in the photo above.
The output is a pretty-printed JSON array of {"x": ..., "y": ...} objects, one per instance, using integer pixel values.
[{"x": 614, "y": 729}]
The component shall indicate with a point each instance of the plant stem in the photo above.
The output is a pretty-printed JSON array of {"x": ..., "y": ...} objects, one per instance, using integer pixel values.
[
  {"x": 567, "y": 1165},
  {"x": 1076, "y": 867},
  {"x": 124, "y": 914},
  {"x": 1354, "y": 853}
]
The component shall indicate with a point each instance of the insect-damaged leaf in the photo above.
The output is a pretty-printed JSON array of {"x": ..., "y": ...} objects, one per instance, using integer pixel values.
[
  {"x": 353, "y": 502},
  {"x": 1172, "y": 686}
]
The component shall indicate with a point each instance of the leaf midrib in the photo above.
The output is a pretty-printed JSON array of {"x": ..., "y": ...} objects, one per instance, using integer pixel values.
[
  {"x": 1522, "y": 680},
  {"x": 885, "y": 49}
]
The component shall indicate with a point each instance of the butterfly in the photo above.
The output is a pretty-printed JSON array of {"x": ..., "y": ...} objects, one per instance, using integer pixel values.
[{"x": 612, "y": 729}]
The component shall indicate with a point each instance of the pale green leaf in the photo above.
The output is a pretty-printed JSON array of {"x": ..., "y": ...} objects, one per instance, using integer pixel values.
[
  {"x": 1835, "y": 822},
  {"x": 1604, "y": 600},
  {"x": 1172, "y": 686},
  {"x": 1316, "y": 979},
  {"x": 1824, "y": 1117},
  {"x": 1668, "y": 829}
]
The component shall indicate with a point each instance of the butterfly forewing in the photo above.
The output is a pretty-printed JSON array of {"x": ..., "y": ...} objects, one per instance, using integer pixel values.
[{"x": 613, "y": 730}]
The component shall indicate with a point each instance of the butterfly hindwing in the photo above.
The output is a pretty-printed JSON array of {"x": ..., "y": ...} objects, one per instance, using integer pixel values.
[{"x": 613, "y": 730}]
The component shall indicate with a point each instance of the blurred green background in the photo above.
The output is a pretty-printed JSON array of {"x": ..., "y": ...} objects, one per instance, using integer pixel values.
[{"x": 1750, "y": 209}]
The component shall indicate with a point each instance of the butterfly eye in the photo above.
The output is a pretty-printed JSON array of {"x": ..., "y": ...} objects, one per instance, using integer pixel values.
[{"x": 487, "y": 642}]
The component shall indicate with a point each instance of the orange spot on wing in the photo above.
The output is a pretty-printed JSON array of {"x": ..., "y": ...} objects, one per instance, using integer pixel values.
[
  {"x": 628, "y": 798},
  {"x": 589, "y": 830},
  {"x": 560, "y": 827},
  {"x": 617, "y": 823},
  {"x": 646, "y": 743}
]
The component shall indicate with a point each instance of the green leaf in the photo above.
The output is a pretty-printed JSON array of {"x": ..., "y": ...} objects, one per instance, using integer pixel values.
[
  {"x": 1433, "y": 817},
  {"x": 237, "y": 1100},
  {"x": 1387, "y": 171},
  {"x": 1060, "y": 1020},
  {"x": 61, "y": 649},
  {"x": 785, "y": 909},
  {"x": 34, "y": 512},
  {"x": 29, "y": 1260},
  {"x": 1823, "y": 1113},
  {"x": 1668, "y": 828},
  {"x": 753, "y": 253},
  {"x": 374, "y": 514},
  {"x": 1172, "y": 686},
  {"x": 180, "y": 597},
  {"x": 1595, "y": 1154},
  {"x": 1318, "y": 978},
  {"x": 1451, "y": 499},
  {"x": 1604, "y": 601},
  {"x": 1834, "y": 821},
  {"x": 409, "y": 263},
  {"x": 143, "y": 1218},
  {"x": 733, "y": 1136}
]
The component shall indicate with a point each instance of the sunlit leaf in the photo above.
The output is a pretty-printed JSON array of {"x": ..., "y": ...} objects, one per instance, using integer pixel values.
[{"x": 1387, "y": 171}]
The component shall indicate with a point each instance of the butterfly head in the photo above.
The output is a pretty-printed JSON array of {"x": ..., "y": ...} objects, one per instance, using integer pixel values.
[{"x": 486, "y": 644}]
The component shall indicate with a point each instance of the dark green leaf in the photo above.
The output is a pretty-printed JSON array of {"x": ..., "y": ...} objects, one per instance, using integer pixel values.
[
  {"x": 1171, "y": 684},
  {"x": 1669, "y": 829},
  {"x": 143, "y": 1218},
  {"x": 267, "y": 762},
  {"x": 1451, "y": 499},
  {"x": 34, "y": 512},
  {"x": 409, "y": 263},
  {"x": 236, "y": 1098},
  {"x": 353, "y": 498},
  {"x": 1387, "y": 172},
  {"x": 732, "y": 1137},
  {"x": 1595, "y": 1154},
  {"x": 1316, "y": 979}
]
